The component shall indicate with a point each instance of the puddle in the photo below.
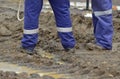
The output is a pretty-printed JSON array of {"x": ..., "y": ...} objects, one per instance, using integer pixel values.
[{"x": 4, "y": 66}]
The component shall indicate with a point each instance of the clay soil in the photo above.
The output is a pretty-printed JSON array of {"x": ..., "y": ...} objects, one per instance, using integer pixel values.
[{"x": 83, "y": 64}]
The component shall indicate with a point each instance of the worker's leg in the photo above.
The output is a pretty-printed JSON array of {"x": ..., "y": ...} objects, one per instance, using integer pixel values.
[
  {"x": 32, "y": 11},
  {"x": 63, "y": 22},
  {"x": 102, "y": 21}
]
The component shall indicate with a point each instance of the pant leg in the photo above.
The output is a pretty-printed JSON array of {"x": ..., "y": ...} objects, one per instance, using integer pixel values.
[
  {"x": 32, "y": 11},
  {"x": 63, "y": 22},
  {"x": 102, "y": 21}
]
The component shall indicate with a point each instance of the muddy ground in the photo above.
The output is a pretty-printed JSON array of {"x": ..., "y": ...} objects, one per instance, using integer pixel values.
[{"x": 83, "y": 64}]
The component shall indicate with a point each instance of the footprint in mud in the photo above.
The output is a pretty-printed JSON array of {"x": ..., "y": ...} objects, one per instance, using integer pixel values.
[
  {"x": 68, "y": 58},
  {"x": 84, "y": 72},
  {"x": 47, "y": 77},
  {"x": 97, "y": 72},
  {"x": 35, "y": 76}
]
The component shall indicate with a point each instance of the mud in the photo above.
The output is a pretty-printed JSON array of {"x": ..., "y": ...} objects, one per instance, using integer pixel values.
[{"x": 83, "y": 64}]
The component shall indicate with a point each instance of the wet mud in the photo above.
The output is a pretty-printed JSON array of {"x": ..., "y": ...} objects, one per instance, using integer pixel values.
[{"x": 83, "y": 64}]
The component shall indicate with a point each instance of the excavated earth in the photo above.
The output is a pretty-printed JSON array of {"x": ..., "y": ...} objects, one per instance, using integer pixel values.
[{"x": 83, "y": 64}]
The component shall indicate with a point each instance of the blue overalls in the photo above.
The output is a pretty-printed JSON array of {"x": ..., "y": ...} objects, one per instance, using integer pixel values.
[
  {"x": 102, "y": 22},
  {"x": 62, "y": 17}
]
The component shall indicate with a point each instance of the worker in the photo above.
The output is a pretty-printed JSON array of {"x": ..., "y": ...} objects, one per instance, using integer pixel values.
[
  {"x": 63, "y": 23},
  {"x": 103, "y": 25}
]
